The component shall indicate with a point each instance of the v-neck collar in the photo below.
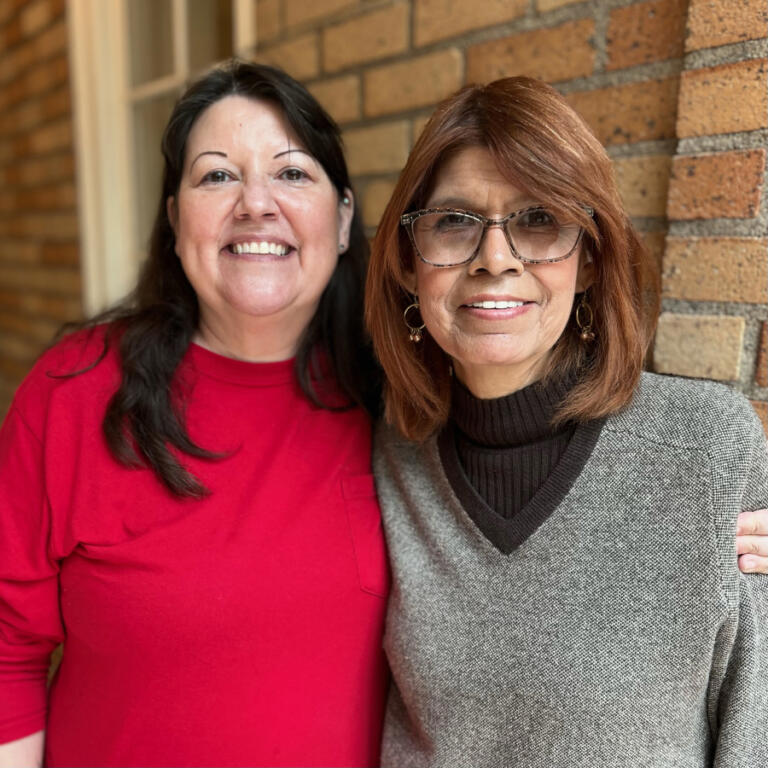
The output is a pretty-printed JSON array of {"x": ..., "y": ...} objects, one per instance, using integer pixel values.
[{"x": 508, "y": 534}]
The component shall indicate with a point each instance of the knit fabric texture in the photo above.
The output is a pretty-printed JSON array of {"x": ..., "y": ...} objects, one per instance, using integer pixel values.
[
  {"x": 619, "y": 633},
  {"x": 507, "y": 446}
]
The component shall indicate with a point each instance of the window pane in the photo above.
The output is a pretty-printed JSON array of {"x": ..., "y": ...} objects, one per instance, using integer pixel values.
[
  {"x": 151, "y": 39},
  {"x": 149, "y": 119},
  {"x": 210, "y": 32}
]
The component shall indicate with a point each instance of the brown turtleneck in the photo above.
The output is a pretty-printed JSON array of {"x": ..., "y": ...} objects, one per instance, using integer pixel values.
[
  {"x": 507, "y": 446},
  {"x": 506, "y": 464}
]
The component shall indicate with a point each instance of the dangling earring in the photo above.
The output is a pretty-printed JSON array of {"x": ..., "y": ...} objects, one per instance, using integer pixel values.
[
  {"x": 414, "y": 332},
  {"x": 584, "y": 319}
]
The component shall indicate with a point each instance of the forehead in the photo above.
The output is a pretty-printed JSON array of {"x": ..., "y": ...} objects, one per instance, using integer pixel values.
[
  {"x": 472, "y": 175},
  {"x": 236, "y": 122}
]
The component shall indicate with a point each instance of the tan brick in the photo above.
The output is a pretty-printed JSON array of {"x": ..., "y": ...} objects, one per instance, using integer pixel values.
[
  {"x": 366, "y": 38},
  {"x": 267, "y": 20},
  {"x": 40, "y": 170},
  {"x": 375, "y": 199},
  {"x": 57, "y": 226},
  {"x": 60, "y": 196},
  {"x": 37, "y": 329},
  {"x": 552, "y": 54},
  {"x": 761, "y": 362},
  {"x": 21, "y": 117},
  {"x": 377, "y": 149},
  {"x": 716, "y": 269},
  {"x": 643, "y": 182},
  {"x": 53, "y": 40},
  {"x": 303, "y": 11},
  {"x": 418, "y": 125},
  {"x": 550, "y": 5},
  {"x": 654, "y": 242},
  {"x": 701, "y": 346},
  {"x": 645, "y": 32},
  {"x": 55, "y": 281},
  {"x": 624, "y": 114},
  {"x": 440, "y": 19},
  {"x": 58, "y": 308},
  {"x": 60, "y": 254},
  {"x": 720, "y": 22},
  {"x": 35, "y": 16},
  {"x": 726, "y": 184},
  {"x": 19, "y": 251},
  {"x": 51, "y": 137},
  {"x": 724, "y": 99},
  {"x": 761, "y": 409},
  {"x": 340, "y": 97},
  {"x": 417, "y": 82},
  {"x": 299, "y": 57}
]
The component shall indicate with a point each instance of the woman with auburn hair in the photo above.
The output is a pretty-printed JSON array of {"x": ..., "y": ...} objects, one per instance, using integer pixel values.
[{"x": 560, "y": 525}]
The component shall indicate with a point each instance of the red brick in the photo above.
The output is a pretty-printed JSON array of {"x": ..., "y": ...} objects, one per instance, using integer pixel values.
[
  {"x": 645, "y": 32},
  {"x": 761, "y": 367},
  {"x": 552, "y": 54},
  {"x": 720, "y": 22},
  {"x": 724, "y": 99},
  {"x": 726, "y": 184},
  {"x": 624, "y": 114},
  {"x": 761, "y": 409}
]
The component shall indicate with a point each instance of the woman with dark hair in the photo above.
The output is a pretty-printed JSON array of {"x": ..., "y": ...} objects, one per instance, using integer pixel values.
[
  {"x": 560, "y": 525},
  {"x": 185, "y": 487}
]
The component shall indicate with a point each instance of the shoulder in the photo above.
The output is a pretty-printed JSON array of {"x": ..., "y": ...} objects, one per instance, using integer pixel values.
[
  {"x": 685, "y": 413},
  {"x": 77, "y": 369},
  {"x": 397, "y": 459}
]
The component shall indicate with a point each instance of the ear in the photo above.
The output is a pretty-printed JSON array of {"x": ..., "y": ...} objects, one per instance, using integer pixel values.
[
  {"x": 172, "y": 213},
  {"x": 346, "y": 214},
  {"x": 410, "y": 281},
  {"x": 586, "y": 274}
]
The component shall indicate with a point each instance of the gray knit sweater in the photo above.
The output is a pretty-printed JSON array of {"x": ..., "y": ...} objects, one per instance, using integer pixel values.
[{"x": 619, "y": 633}]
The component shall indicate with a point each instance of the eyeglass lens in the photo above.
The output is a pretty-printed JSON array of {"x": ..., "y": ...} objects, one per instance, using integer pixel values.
[{"x": 450, "y": 237}]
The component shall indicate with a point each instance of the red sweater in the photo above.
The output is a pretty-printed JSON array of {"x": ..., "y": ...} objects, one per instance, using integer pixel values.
[{"x": 243, "y": 629}]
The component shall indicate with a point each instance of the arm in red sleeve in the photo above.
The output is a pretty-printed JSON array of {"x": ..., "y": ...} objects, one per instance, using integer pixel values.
[{"x": 30, "y": 620}]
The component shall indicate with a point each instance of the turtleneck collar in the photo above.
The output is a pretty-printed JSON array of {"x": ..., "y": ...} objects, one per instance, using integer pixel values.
[{"x": 521, "y": 418}]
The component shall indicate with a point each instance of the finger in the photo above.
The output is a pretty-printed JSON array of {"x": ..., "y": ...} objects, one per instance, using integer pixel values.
[
  {"x": 752, "y": 545},
  {"x": 753, "y": 523},
  {"x": 753, "y": 564}
]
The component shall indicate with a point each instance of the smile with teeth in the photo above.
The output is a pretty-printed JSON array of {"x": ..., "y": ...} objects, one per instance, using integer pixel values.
[
  {"x": 261, "y": 248},
  {"x": 496, "y": 304}
]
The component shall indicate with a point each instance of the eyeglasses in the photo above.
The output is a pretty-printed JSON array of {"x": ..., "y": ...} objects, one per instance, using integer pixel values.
[{"x": 447, "y": 237}]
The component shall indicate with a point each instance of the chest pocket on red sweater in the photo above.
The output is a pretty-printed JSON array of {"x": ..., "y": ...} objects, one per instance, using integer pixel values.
[{"x": 364, "y": 518}]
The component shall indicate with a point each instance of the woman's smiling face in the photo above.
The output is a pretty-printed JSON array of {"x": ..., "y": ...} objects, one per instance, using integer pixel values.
[
  {"x": 258, "y": 223},
  {"x": 494, "y": 350}
]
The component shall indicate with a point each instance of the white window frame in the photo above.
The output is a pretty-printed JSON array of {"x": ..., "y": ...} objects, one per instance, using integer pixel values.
[{"x": 102, "y": 99}]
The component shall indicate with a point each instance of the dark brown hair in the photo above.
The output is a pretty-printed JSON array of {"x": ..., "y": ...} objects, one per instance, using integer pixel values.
[
  {"x": 543, "y": 147},
  {"x": 153, "y": 328}
]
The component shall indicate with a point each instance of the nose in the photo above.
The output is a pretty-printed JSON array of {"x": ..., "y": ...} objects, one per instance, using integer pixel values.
[
  {"x": 255, "y": 200},
  {"x": 495, "y": 255}
]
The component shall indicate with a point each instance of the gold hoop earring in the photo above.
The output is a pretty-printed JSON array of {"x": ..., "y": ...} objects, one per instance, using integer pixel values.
[
  {"x": 414, "y": 331},
  {"x": 584, "y": 319}
]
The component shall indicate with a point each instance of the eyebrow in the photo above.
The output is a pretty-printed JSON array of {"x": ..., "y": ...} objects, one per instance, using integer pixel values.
[
  {"x": 465, "y": 205},
  {"x": 207, "y": 152},
  {"x": 293, "y": 149}
]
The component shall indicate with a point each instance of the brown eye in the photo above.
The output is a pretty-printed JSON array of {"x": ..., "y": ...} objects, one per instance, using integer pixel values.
[
  {"x": 216, "y": 177},
  {"x": 293, "y": 174}
]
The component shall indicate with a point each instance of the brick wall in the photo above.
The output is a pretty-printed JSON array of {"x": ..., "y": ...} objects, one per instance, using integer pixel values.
[
  {"x": 675, "y": 89},
  {"x": 39, "y": 272}
]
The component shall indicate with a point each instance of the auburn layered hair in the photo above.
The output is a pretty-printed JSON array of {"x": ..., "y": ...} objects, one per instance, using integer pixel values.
[{"x": 544, "y": 148}]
